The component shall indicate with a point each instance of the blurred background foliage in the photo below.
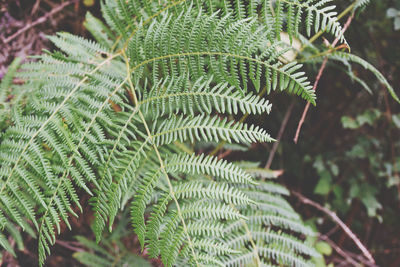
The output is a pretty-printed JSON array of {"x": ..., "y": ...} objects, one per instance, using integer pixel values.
[{"x": 347, "y": 158}]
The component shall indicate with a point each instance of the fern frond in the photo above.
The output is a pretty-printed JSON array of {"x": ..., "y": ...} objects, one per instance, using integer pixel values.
[
  {"x": 208, "y": 129},
  {"x": 361, "y": 3},
  {"x": 283, "y": 257},
  {"x": 200, "y": 52},
  {"x": 208, "y": 165},
  {"x": 179, "y": 95},
  {"x": 209, "y": 206},
  {"x": 272, "y": 247},
  {"x": 340, "y": 56},
  {"x": 99, "y": 31},
  {"x": 5, "y": 91}
]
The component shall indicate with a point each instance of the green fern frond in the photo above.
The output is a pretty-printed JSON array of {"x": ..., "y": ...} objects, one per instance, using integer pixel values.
[
  {"x": 209, "y": 165},
  {"x": 208, "y": 129},
  {"x": 361, "y": 3},
  {"x": 174, "y": 96},
  {"x": 340, "y": 56},
  {"x": 209, "y": 205},
  {"x": 272, "y": 247}
]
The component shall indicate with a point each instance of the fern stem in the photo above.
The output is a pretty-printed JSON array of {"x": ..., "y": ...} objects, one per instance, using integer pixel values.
[
  {"x": 320, "y": 54},
  {"x": 162, "y": 165},
  {"x": 171, "y": 191},
  {"x": 253, "y": 244},
  {"x": 120, "y": 134}
]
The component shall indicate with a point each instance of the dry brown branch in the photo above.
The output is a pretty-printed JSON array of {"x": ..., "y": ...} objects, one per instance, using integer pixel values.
[
  {"x": 279, "y": 137},
  {"x": 320, "y": 72},
  {"x": 71, "y": 245},
  {"x": 337, "y": 220},
  {"x": 348, "y": 258},
  {"x": 39, "y": 20}
]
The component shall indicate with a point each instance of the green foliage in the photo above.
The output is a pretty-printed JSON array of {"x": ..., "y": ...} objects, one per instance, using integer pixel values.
[
  {"x": 112, "y": 251},
  {"x": 395, "y": 14},
  {"x": 110, "y": 117},
  {"x": 324, "y": 248},
  {"x": 340, "y": 56},
  {"x": 6, "y": 95},
  {"x": 369, "y": 117},
  {"x": 370, "y": 151}
]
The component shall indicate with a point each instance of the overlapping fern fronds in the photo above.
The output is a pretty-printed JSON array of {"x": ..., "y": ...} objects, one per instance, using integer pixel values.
[
  {"x": 112, "y": 251},
  {"x": 104, "y": 118}
]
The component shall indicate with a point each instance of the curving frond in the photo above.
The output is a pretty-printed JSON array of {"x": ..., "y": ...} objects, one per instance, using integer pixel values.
[{"x": 341, "y": 56}]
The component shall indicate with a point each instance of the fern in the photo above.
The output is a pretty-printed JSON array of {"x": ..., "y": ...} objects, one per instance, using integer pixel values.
[
  {"x": 340, "y": 56},
  {"x": 112, "y": 251},
  {"x": 5, "y": 92},
  {"x": 362, "y": 3},
  {"x": 256, "y": 239},
  {"x": 111, "y": 117},
  {"x": 347, "y": 59}
]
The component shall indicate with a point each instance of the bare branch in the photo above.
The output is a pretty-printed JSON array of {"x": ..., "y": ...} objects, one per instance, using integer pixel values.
[
  {"x": 320, "y": 72},
  {"x": 337, "y": 220},
  {"x": 39, "y": 20},
  {"x": 279, "y": 137},
  {"x": 347, "y": 257}
]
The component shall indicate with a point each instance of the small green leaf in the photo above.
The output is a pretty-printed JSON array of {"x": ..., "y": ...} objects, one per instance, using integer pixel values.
[
  {"x": 88, "y": 3},
  {"x": 396, "y": 120},
  {"x": 393, "y": 180},
  {"x": 338, "y": 191},
  {"x": 324, "y": 248},
  {"x": 372, "y": 204},
  {"x": 334, "y": 169},
  {"x": 319, "y": 262},
  {"x": 319, "y": 164},
  {"x": 392, "y": 12},
  {"x": 324, "y": 184},
  {"x": 369, "y": 117},
  {"x": 349, "y": 123},
  {"x": 358, "y": 151},
  {"x": 397, "y": 23}
]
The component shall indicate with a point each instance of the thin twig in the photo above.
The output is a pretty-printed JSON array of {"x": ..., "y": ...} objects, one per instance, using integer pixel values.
[
  {"x": 279, "y": 137},
  {"x": 70, "y": 245},
  {"x": 35, "y": 7},
  {"x": 336, "y": 219},
  {"x": 303, "y": 116},
  {"x": 361, "y": 259},
  {"x": 347, "y": 257},
  {"x": 320, "y": 72},
  {"x": 39, "y": 20},
  {"x": 225, "y": 154}
]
